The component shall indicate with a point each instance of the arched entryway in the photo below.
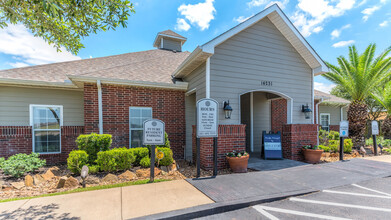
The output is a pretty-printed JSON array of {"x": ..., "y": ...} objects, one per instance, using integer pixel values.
[{"x": 263, "y": 110}]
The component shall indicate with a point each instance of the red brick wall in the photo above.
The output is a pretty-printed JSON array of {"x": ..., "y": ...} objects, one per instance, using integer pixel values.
[
  {"x": 18, "y": 139},
  {"x": 295, "y": 136},
  {"x": 278, "y": 114},
  {"x": 334, "y": 128},
  {"x": 167, "y": 105},
  {"x": 231, "y": 137}
]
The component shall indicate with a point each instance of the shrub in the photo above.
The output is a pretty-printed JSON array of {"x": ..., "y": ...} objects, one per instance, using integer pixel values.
[
  {"x": 324, "y": 148},
  {"x": 93, "y": 143},
  {"x": 334, "y": 145},
  {"x": 145, "y": 162},
  {"x": 139, "y": 153},
  {"x": 333, "y": 135},
  {"x": 115, "y": 159},
  {"x": 348, "y": 145},
  {"x": 92, "y": 169},
  {"x": 76, "y": 160},
  {"x": 19, "y": 164},
  {"x": 167, "y": 159},
  {"x": 2, "y": 159}
]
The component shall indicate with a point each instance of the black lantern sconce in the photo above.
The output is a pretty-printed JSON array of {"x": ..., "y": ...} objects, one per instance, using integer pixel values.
[
  {"x": 227, "y": 110},
  {"x": 307, "y": 111}
]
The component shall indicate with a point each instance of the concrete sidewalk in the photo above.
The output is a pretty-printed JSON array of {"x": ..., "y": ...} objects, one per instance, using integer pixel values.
[{"x": 116, "y": 203}]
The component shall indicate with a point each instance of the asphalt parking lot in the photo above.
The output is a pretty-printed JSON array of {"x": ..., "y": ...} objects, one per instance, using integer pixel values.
[{"x": 365, "y": 200}]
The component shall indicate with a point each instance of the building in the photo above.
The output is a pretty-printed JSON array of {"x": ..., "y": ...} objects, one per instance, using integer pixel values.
[
  {"x": 264, "y": 67},
  {"x": 330, "y": 110}
]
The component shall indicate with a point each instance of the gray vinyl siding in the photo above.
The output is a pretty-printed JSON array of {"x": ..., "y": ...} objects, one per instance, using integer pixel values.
[
  {"x": 172, "y": 44},
  {"x": 260, "y": 53},
  {"x": 190, "y": 111},
  {"x": 335, "y": 113},
  {"x": 262, "y": 118},
  {"x": 196, "y": 80},
  {"x": 15, "y": 102}
]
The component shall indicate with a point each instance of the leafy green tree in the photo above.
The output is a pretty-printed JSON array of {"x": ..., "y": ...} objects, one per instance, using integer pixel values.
[
  {"x": 359, "y": 76},
  {"x": 64, "y": 23},
  {"x": 383, "y": 96}
]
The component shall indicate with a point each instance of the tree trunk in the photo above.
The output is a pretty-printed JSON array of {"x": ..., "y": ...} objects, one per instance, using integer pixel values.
[
  {"x": 386, "y": 127},
  {"x": 357, "y": 116}
]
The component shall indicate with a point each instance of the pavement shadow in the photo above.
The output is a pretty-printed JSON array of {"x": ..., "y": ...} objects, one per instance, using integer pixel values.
[{"x": 37, "y": 212}]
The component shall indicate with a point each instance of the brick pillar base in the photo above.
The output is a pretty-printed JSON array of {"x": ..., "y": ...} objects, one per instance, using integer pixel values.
[
  {"x": 231, "y": 137},
  {"x": 295, "y": 136}
]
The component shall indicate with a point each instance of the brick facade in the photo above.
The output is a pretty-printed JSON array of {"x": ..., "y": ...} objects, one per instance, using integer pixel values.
[
  {"x": 295, "y": 136},
  {"x": 278, "y": 114},
  {"x": 167, "y": 105},
  {"x": 334, "y": 128},
  {"x": 230, "y": 138},
  {"x": 18, "y": 139}
]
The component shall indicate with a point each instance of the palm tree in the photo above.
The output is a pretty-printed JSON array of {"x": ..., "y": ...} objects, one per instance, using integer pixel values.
[
  {"x": 383, "y": 96},
  {"x": 359, "y": 76}
]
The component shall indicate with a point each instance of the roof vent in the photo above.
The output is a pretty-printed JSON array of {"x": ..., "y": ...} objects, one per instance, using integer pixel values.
[{"x": 169, "y": 40}]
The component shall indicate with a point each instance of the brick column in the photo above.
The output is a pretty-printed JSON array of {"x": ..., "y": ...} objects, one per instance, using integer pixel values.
[
  {"x": 278, "y": 114},
  {"x": 231, "y": 137},
  {"x": 295, "y": 136}
]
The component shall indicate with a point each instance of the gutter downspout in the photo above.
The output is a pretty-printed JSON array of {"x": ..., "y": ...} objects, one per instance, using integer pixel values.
[
  {"x": 317, "y": 117},
  {"x": 98, "y": 84},
  {"x": 342, "y": 107}
]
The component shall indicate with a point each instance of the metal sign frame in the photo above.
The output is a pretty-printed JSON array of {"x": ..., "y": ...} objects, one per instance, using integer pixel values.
[
  {"x": 144, "y": 136},
  {"x": 343, "y": 124},
  {"x": 198, "y": 132}
]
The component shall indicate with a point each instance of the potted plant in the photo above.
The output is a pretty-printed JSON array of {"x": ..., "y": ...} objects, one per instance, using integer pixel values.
[
  {"x": 312, "y": 154},
  {"x": 238, "y": 161}
]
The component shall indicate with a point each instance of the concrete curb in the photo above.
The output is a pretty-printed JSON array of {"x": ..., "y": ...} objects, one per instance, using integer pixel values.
[{"x": 216, "y": 208}]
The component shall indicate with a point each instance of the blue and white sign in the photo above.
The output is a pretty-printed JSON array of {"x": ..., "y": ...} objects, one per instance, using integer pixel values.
[
  {"x": 375, "y": 128},
  {"x": 344, "y": 129},
  {"x": 272, "y": 145}
]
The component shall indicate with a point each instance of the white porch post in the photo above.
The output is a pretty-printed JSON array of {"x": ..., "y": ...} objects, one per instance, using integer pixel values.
[{"x": 207, "y": 79}]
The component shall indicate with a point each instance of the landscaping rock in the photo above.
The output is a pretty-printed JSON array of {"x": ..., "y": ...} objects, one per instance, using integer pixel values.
[
  {"x": 90, "y": 180},
  {"x": 17, "y": 185},
  {"x": 71, "y": 182},
  {"x": 110, "y": 178},
  {"x": 56, "y": 171},
  {"x": 172, "y": 168},
  {"x": 38, "y": 179},
  {"x": 128, "y": 175},
  {"x": 164, "y": 168},
  {"x": 61, "y": 182},
  {"x": 145, "y": 173},
  {"x": 48, "y": 175},
  {"x": 29, "y": 181}
]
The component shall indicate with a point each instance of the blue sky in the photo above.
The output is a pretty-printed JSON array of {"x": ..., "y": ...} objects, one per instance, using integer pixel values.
[{"x": 328, "y": 25}]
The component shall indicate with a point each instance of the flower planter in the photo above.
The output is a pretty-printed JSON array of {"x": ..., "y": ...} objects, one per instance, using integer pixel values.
[
  {"x": 312, "y": 156},
  {"x": 238, "y": 164}
]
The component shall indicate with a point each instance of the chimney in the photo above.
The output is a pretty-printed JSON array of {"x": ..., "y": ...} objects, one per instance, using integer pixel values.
[{"x": 169, "y": 40}]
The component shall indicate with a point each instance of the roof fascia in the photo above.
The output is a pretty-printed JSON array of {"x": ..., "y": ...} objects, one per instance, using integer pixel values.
[{"x": 36, "y": 83}]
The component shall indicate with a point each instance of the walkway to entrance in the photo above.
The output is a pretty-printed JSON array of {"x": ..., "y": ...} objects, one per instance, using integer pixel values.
[{"x": 259, "y": 164}]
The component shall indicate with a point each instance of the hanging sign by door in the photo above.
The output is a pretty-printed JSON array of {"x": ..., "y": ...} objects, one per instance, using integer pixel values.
[
  {"x": 272, "y": 145},
  {"x": 207, "y": 118}
]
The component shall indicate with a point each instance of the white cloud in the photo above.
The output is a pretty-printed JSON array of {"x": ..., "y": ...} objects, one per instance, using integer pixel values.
[
  {"x": 240, "y": 19},
  {"x": 199, "y": 14},
  {"x": 369, "y": 11},
  {"x": 311, "y": 15},
  {"x": 323, "y": 87},
  {"x": 18, "y": 64},
  {"x": 343, "y": 43},
  {"x": 257, "y": 3},
  {"x": 182, "y": 25},
  {"x": 17, "y": 41},
  {"x": 383, "y": 24},
  {"x": 337, "y": 32}
]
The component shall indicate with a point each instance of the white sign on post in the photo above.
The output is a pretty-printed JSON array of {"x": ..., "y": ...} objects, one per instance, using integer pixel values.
[
  {"x": 153, "y": 132},
  {"x": 375, "y": 128},
  {"x": 207, "y": 118},
  {"x": 344, "y": 129}
]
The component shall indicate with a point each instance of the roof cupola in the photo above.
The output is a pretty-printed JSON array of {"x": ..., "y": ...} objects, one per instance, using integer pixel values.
[{"x": 169, "y": 40}]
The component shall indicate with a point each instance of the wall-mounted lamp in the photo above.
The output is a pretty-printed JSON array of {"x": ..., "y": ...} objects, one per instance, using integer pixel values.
[
  {"x": 307, "y": 111},
  {"x": 227, "y": 110}
]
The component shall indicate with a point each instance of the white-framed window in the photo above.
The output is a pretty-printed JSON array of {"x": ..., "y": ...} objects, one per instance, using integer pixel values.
[
  {"x": 137, "y": 116},
  {"x": 325, "y": 121},
  {"x": 46, "y": 121}
]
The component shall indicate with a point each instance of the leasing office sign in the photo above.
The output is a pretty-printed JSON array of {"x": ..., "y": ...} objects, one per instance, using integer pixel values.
[{"x": 207, "y": 118}]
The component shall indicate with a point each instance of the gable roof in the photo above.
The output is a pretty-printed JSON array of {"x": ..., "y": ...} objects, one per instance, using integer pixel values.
[
  {"x": 282, "y": 23},
  {"x": 329, "y": 99},
  {"x": 153, "y": 66}
]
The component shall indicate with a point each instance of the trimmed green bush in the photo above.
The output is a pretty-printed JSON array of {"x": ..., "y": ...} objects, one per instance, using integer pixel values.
[
  {"x": 324, "y": 148},
  {"x": 92, "y": 169},
  {"x": 93, "y": 143},
  {"x": 76, "y": 160},
  {"x": 333, "y": 135},
  {"x": 139, "y": 153},
  {"x": 115, "y": 159},
  {"x": 334, "y": 145},
  {"x": 2, "y": 159},
  {"x": 167, "y": 159},
  {"x": 19, "y": 164},
  {"x": 348, "y": 145},
  {"x": 145, "y": 162}
]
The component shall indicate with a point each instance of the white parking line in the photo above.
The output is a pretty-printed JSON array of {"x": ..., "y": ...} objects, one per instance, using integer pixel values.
[
  {"x": 340, "y": 204},
  {"x": 373, "y": 190},
  {"x": 293, "y": 212},
  {"x": 356, "y": 194},
  {"x": 265, "y": 213}
]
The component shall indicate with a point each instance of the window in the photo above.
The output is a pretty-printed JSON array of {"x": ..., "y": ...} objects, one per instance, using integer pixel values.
[
  {"x": 137, "y": 116},
  {"x": 325, "y": 121},
  {"x": 46, "y": 121}
]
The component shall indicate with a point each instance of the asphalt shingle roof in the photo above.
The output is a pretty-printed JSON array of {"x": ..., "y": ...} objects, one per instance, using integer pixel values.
[
  {"x": 330, "y": 98},
  {"x": 171, "y": 33}
]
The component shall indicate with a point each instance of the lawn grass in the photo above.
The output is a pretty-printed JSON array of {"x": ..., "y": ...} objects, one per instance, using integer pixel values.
[{"x": 138, "y": 182}]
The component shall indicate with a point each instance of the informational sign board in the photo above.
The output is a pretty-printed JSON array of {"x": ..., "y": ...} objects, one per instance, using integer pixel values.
[
  {"x": 153, "y": 132},
  {"x": 272, "y": 145},
  {"x": 207, "y": 118},
  {"x": 344, "y": 129},
  {"x": 375, "y": 128}
]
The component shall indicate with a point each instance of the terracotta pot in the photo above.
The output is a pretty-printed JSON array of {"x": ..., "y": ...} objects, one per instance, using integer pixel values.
[
  {"x": 312, "y": 156},
  {"x": 238, "y": 164}
]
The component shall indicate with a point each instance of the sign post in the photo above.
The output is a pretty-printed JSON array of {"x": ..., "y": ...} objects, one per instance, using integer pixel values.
[
  {"x": 343, "y": 133},
  {"x": 153, "y": 134},
  {"x": 375, "y": 131},
  {"x": 207, "y": 126}
]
